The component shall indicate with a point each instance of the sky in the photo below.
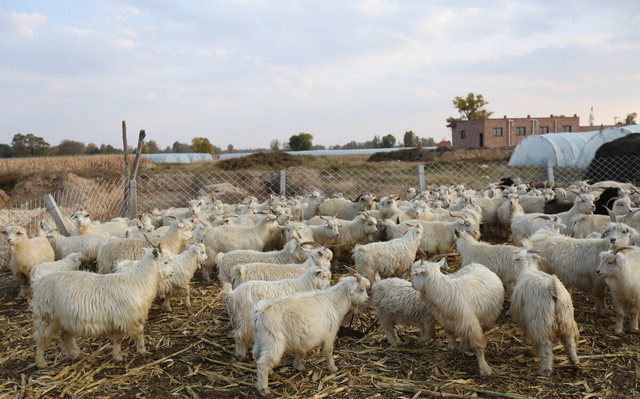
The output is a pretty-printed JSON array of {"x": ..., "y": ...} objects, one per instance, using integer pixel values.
[{"x": 246, "y": 72}]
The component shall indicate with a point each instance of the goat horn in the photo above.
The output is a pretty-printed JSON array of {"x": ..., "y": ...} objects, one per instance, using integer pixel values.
[
  {"x": 438, "y": 257},
  {"x": 630, "y": 216},
  {"x": 543, "y": 217},
  {"x": 611, "y": 199},
  {"x": 313, "y": 243},
  {"x": 354, "y": 273},
  {"x": 612, "y": 215},
  {"x": 423, "y": 256},
  {"x": 615, "y": 251},
  {"x": 149, "y": 241},
  {"x": 534, "y": 251}
]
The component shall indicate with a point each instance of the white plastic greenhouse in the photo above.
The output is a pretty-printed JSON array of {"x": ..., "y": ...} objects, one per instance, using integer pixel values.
[
  {"x": 565, "y": 149},
  {"x": 178, "y": 158}
]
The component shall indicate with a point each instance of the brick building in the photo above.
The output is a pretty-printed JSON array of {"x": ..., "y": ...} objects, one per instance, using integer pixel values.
[{"x": 507, "y": 132}]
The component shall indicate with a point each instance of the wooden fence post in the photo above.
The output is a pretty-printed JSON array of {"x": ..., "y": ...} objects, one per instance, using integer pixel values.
[{"x": 53, "y": 209}]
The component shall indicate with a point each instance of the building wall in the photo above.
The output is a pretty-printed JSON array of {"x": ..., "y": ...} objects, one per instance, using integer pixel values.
[{"x": 485, "y": 127}]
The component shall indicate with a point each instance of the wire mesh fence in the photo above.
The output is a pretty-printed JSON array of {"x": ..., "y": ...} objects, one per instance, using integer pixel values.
[
  {"x": 101, "y": 198},
  {"x": 104, "y": 199}
]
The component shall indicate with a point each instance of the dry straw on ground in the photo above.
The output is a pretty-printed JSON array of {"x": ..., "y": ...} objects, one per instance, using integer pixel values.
[{"x": 192, "y": 357}]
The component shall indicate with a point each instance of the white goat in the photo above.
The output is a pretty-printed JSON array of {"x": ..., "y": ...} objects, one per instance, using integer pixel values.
[
  {"x": 396, "y": 302},
  {"x": 346, "y": 209},
  {"x": 88, "y": 304},
  {"x": 273, "y": 272},
  {"x": 438, "y": 237},
  {"x": 41, "y": 270},
  {"x": 496, "y": 258},
  {"x": 388, "y": 258},
  {"x": 621, "y": 270},
  {"x": 183, "y": 266},
  {"x": 541, "y": 307},
  {"x": 293, "y": 252},
  {"x": 230, "y": 238},
  {"x": 301, "y": 322},
  {"x": 115, "y": 228},
  {"x": 357, "y": 231},
  {"x": 25, "y": 254},
  {"x": 575, "y": 260},
  {"x": 465, "y": 304},
  {"x": 117, "y": 249},
  {"x": 87, "y": 245},
  {"x": 241, "y": 301}
]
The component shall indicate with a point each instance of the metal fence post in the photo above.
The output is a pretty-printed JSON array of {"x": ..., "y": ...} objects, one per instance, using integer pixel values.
[
  {"x": 550, "y": 172},
  {"x": 52, "y": 207},
  {"x": 133, "y": 199},
  {"x": 421, "y": 185},
  {"x": 283, "y": 182}
]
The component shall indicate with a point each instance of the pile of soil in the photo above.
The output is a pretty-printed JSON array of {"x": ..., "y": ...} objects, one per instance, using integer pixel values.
[
  {"x": 277, "y": 160},
  {"x": 35, "y": 186},
  {"x": 602, "y": 167},
  {"x": 498, "y": 154}
]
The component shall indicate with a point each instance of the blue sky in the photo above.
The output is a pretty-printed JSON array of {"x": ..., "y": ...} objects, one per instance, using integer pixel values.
[{"x": 245, "y": 72}]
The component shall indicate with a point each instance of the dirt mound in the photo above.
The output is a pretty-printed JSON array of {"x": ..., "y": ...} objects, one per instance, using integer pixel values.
[
  {"x": 276, "y": 160},
  {"x": 444, "y": 154},
  {"x": 36, "y": 186},
  {"x": 602, "y": 167}
]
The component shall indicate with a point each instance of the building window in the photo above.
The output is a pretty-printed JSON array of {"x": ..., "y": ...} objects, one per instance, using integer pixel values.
[
  {"x": 566, "y": 129},
  {"x": 463, "y": 134},
  {"x": 521, "y": 131},
  {"x": 497, "y": 131},
  {"x": 544, "y": 129}
]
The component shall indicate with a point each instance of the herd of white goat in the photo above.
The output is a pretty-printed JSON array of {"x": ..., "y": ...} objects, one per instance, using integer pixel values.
[{"x": 274, "y": 261}]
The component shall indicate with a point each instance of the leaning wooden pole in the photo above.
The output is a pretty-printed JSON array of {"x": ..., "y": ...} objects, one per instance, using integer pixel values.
[{"x": 125, "y": 198}]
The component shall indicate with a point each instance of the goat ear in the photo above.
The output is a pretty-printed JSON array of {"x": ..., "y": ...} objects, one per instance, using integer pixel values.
[{"x": 621, "y": 261}]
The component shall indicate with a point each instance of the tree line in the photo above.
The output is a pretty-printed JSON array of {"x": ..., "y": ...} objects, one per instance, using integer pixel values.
[{"x": 30, "y": 145}]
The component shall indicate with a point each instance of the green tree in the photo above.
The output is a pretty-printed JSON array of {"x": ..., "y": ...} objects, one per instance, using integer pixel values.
[
  {"x": 92, "y": 149},
  {"x": 376, "y": 141},
  {"x": 470, "y": 108},
  {"x": 230, "y": 148},
  {"x": 409, "y": 139},
  {"x": 5, "y": 151},
  {"x": 109, "y": 149},
  {"x": 150, "y": 147},
  {"x": 301, "y": 142},
  {"x": 388, "y": 141},
  {"x": 202, "y": 145},
  {"x": 70, "y": 147},
  {"x": 631, "y": 119},
  {"x": 29, "y": 145}
]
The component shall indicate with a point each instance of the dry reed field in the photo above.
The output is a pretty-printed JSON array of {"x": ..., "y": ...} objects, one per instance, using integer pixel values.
[
  {"x": 192, "y": 357},
  {"x": 77, "y": 163}
]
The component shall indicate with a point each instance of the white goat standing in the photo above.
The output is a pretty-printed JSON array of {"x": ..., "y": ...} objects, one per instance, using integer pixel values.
[
  {"x": 541, "y": 307},
  {"x": 75, "y": 303},
  {"x": 25, "y": 254},
  {"x": 621, "y": 269},
  {"x": 388, "y": 258},
  {"x": 241, "y": 301},
  {"x": 465, "y": 304},
  {"x": 301, "y": 322}
]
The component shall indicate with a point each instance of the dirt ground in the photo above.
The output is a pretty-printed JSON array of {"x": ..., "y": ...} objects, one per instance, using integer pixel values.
[{"x": 192, "y": 357}]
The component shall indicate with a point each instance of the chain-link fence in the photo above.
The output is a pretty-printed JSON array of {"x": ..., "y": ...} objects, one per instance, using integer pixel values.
[{"x": 104, "y": 198}]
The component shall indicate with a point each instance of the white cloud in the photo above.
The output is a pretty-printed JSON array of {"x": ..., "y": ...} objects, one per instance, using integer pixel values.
[
  {"x": 375, "y": 7},
  {"x": 26, "y": 24}
]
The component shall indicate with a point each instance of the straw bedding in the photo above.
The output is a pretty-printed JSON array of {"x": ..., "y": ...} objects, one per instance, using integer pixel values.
[{"x": 192, "y": 357}]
